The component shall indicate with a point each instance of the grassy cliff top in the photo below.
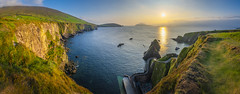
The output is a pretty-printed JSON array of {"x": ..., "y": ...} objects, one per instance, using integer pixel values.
[
  {"x": 37, "y": 13},
  {"x": 209, "y": 66}
]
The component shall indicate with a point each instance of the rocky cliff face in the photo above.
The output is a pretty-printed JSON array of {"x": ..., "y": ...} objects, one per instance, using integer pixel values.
[
  {"x": 34, "y": 37},
  {"x": 33, "y": 58},
  {"x": 44, "y": 38},
  {"x": 153, "y": 50}
]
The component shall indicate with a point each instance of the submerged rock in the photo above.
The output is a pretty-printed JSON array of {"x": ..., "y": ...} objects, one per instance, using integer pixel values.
[{"x": 153, "y": 50}]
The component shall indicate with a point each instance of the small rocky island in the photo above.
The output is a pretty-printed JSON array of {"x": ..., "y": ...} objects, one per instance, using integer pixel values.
[
  {"x": 153, "y": 50},
  {"x": 110, "y": 25}
]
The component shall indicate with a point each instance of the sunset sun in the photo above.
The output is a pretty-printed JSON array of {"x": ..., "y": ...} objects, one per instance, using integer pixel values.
[{"x": 163, "y": 14}]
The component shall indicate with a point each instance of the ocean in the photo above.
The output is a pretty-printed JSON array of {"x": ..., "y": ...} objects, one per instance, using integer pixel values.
[{"x": 100, "y": 61}]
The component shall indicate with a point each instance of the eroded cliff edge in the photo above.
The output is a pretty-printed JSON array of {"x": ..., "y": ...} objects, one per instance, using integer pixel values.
[
  {"x": 33, "y": 55},
  {"x": 209, "y": 66}
]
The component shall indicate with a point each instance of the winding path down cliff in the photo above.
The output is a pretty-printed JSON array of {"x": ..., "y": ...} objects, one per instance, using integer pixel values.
[{"x": 129, "y": 82}]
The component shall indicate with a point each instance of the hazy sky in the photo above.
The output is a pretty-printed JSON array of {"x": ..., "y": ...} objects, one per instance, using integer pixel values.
[{"x": 129, "y": 12}]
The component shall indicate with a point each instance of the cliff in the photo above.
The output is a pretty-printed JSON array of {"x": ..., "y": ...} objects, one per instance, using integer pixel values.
[
  {"x": 210, "y": 66},
  {"x": 160, "y": 70},
  {"x": 192, "y": 37},
  {"x": 33, "y": 55}
]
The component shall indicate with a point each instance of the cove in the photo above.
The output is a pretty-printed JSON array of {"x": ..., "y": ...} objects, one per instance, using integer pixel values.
[{"x": 101, "y": 62}]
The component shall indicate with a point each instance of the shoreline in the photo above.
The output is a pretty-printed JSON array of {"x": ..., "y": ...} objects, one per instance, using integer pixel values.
[{"x": 70, "y": 68}]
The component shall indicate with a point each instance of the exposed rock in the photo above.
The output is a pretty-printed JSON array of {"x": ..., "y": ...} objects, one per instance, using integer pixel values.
[
  {"x": 38, "y": 36},
  {"x": 120, "y": 44},
  {"x": 70, "y": 68},
  {"x": 177, "y": 48},
  {"x": 67, "y": 49},
  {"x": 131, "y": 39},
  {"x": 188, "y": 38},
  {"x": 160, "y": 70},
  {"x": 153, "y": 50}
]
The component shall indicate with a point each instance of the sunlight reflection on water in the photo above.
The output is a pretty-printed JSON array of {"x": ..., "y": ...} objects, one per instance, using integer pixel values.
[{"x": 162, "y": 36}]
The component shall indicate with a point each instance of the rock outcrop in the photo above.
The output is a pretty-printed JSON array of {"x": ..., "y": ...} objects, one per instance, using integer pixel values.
[
  {"x": 153, "y": 50},
  {"x": 70, "y": 68},
  {"x": 192, "y": 37}
]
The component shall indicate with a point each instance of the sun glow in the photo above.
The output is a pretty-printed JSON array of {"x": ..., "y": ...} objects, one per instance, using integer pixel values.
[
  {"x": 162, "y": 36},
  {"x": 163, "y": 14}
]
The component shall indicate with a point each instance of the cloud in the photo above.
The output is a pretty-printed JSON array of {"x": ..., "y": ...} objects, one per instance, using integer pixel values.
[
  {"x": 38, "y": 2},
  {"x": 9, "y": 3},
  {"x": 20, "y": 2}
]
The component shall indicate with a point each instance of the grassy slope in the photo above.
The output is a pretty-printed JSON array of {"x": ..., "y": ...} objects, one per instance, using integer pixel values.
[
  {"x": 21, "y": 71},
  {"x": 223, "y": 61},
  {"x": 160, "y": 70},
  {"x": 211, "y": 65},
  {"x": 192, "y": 37},
  {"x": 37, "y": 13}
]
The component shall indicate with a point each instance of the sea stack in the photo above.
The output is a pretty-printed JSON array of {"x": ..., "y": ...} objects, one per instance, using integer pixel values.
[{"x": 153, "y": 50}]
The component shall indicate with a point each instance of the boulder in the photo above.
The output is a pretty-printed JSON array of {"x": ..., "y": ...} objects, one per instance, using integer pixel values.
[
  {"x": 120, "y": 44},
  {"x": 177, "y": 48},
  {"x": 153, "y": 50},
  {"x": 70, "y": 68}
]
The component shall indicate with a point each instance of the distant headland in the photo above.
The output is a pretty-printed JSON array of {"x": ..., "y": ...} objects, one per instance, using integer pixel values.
[
  {"x": 110, "y": 25},
  {"x": 142, "y": 24}
]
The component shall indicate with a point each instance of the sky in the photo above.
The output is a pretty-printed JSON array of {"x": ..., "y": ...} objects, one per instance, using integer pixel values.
[{"x": 130, "y": 12}]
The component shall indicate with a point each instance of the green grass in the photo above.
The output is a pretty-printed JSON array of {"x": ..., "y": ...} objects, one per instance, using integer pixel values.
[
  {"x": 160, "y": 69},
  {"x": 28, "y": 13},
  {"x": 180, "y": 58},
  {"x": 24, "y": 72},
  {"x": 209, "y": 66},
  {"x": 21, "y": 70},
  {"x": 223, "y": 64}
]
